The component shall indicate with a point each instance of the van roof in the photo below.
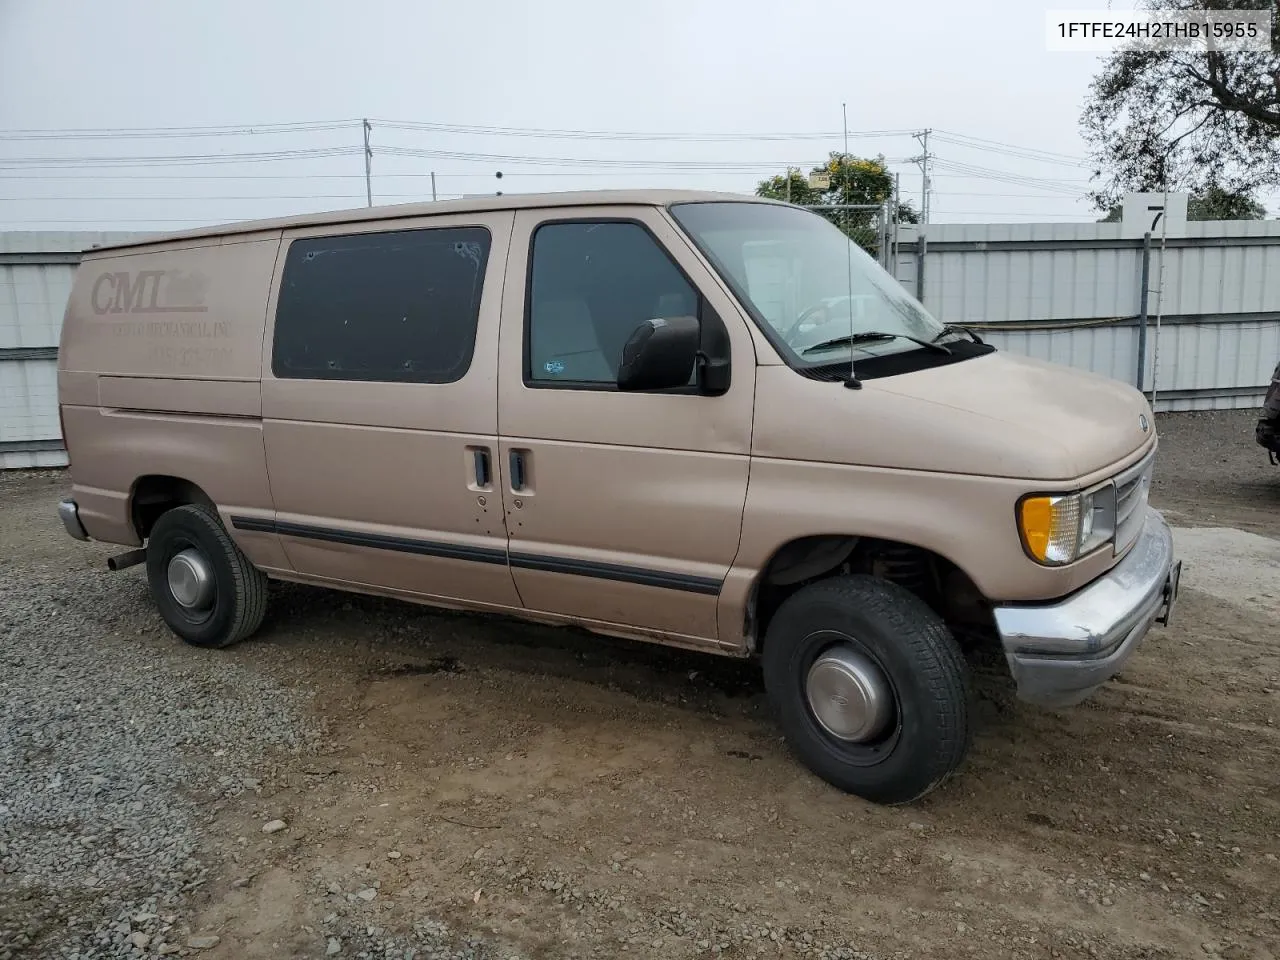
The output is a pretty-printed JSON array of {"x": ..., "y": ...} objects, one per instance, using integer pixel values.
[{"x": 517, "y": 201}]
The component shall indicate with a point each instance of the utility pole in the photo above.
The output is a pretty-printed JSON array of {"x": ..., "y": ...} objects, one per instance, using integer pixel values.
[
  {"x": 926, "y": 184},
  {"x": 922, "y": 239},
  {"x": 368, "y": 163}
]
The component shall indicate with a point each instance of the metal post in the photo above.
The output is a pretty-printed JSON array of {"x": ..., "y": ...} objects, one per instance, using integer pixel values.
[
  {"x": 882, "y": 219},
  {"x": 1155, "y": 352},
  {"x": 1143, "y": 292},
  {"x": 922, "y": 244},
  {"x": 368, "y": 164},
  {"x": 886, "y": 241},
  {"x": 433, "y": 184},
  {"x": 897, "y": 203}
]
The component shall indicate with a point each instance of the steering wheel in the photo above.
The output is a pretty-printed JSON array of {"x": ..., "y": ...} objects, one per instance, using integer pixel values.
[{"x": 802, "y": 316}]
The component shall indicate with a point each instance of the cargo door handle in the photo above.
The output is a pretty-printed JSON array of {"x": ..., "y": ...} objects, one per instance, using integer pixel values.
[
  {"x": 517, "y": 470},
  {"x": 482, "y": 467}
]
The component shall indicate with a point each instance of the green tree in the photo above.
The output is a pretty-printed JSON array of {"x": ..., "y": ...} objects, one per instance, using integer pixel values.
[
  {"x": 854, "y": 180},
  {"x": 1192, "y": 118},
  {"x": 793, "y": 187},
  {"x": 1218, "y": 204},
  {"x": 1214, "y": 203}
]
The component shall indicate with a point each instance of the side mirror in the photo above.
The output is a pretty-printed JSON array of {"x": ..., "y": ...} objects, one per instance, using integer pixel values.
[{"x": 660, "y": 354}]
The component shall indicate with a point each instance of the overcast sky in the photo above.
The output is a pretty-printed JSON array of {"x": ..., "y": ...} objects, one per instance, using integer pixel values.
[{"x": 699, "y": 67}]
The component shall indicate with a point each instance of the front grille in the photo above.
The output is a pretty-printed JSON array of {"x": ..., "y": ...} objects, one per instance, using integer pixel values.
[{"x": 1133, "y": 487}]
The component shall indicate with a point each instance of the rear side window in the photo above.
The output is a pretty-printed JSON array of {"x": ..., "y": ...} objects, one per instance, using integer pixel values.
[{"x": 397, "y": 306}]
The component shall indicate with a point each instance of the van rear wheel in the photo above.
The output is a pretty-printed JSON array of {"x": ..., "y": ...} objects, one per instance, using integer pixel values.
[
  {"x": 871, "y": 689},
  {"x": 207, "y": 590}
]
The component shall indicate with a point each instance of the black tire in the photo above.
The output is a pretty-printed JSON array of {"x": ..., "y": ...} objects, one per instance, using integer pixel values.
[
  {"x": 239, "y": 599},
  {"x": 930, "y": 733}
]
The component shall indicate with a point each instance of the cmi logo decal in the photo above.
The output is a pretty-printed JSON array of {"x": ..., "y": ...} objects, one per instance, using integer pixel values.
[{"x": 148, "y": 291}]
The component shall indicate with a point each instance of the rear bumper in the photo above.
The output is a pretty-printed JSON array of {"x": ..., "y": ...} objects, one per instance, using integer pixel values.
[
  {"x": 69, "y": 514},
  {"x": 1061, "y": 653}
]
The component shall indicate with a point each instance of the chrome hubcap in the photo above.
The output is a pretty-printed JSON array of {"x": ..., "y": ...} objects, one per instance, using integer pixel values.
[
  {"x": 849, "y": 695},
  {"x": 191, "y": 580}
]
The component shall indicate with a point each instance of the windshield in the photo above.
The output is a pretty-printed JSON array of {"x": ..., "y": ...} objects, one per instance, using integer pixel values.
[{"x": 809, "y": 284}]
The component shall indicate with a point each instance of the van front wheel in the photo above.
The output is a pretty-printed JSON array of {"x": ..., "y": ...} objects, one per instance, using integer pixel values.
[
  {"x": 208, "y": 592},
  {"x": 870, "y": 687}
]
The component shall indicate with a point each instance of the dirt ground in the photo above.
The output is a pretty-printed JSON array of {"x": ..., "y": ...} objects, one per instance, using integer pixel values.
[{"x": 548, "y": 794}]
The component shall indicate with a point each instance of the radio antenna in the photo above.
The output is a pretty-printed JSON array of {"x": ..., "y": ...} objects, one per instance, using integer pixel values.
[{"x": 853, "y": 382}]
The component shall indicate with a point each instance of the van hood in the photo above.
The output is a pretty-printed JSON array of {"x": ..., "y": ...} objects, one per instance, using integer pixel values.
[
  {"x": 1096, "y": 420},
  {"x": 998, "y": 415}
]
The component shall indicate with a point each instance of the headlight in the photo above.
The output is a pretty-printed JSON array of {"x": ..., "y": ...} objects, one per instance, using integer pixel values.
[{"x": 1061, "y": 528}]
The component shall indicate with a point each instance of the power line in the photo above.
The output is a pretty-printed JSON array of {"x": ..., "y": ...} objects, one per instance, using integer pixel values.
[
  {"x": 399, "y": 150},
  {"x": 391, "y": 150},
  {"x": 101, "y": 168},
  {"x": 569, "y": 134},
  {"x": 314, "y": 126},
  {"x": 1008, "y": 149},
  {"x": 1005, "y": 176},
  {"x": 89, "y": 133},
  {"x": 160, "y": 133},
  {"x": 279, "y": 196},
  {"x": 630, "y": 162},
  {"x": 174, "y": 160},
  {"x": 556, "y": 174}
]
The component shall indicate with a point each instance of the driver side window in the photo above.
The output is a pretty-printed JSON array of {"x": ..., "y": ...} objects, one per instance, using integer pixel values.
[{"x": 590, "y": 285}]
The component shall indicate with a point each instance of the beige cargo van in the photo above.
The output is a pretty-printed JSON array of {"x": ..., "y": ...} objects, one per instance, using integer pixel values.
[{"x": 697, "y": 419}]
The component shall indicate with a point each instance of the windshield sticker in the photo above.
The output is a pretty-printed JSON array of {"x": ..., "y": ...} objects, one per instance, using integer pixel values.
[{"x": 554, "y": 367}]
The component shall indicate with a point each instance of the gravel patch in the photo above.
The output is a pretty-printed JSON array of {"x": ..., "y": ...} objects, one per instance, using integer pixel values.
[
  {"x": 351, "y": 936},
  {"x": 484, "y": 791},
  {"x": 114, "y": 742}
]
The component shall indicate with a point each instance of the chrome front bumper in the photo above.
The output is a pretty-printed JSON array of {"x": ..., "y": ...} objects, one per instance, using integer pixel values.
[
  {"x": 69, "y": 514},
  {"x": 1060, "y": 653}
]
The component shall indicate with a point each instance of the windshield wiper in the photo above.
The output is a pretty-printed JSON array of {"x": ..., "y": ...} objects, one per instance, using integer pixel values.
[
  {"x": 873, "y": 335},
  {"x": 948, "y": 328}
]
